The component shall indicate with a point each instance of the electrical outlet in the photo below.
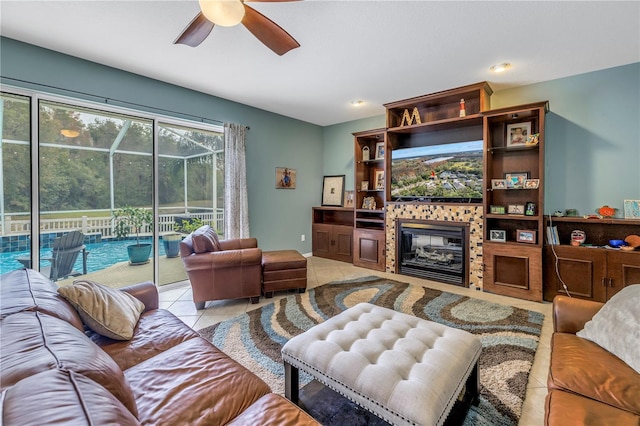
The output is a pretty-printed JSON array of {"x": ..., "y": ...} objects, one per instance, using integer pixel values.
[{"x": 302, "y": 237}]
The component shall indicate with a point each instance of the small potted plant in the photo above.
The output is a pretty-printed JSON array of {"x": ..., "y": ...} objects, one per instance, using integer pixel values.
[{"x": 131, "y": 220}]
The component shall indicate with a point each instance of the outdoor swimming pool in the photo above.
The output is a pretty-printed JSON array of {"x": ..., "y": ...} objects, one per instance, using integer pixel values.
[{"x": 101, "y": 256}]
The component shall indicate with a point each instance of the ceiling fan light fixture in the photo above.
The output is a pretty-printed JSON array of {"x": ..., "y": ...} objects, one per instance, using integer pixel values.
[
  {"x": 500, "y": 67},
  {"x": 69, "y": 133},
  {"x": 357, "y": 103},
  {"x": 226, "y": 13}
]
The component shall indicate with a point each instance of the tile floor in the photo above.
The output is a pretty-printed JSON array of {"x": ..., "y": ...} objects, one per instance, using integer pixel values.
[{"x": 177, "y": 299}]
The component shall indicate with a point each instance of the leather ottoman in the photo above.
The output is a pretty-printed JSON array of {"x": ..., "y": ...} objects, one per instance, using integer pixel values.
[{"x": 283, "y": 270}]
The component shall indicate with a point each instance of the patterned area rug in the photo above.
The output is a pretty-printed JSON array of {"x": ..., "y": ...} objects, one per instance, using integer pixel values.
[{"x": 509, "y": 335}]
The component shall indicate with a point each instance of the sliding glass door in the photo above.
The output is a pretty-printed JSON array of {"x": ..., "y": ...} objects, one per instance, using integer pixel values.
[{"x": 90, "y": 179}]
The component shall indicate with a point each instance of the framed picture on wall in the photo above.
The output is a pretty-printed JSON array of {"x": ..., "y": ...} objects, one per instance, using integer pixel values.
[
  {"x": 285, "y": 178},
  {"x": 333, "y": 190}
]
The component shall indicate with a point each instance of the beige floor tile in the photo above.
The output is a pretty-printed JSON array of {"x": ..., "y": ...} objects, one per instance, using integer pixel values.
[
  {"x": 184, "y": 307},
  {"x": 226, "y": 308},
  {"x": 170, "y": 295},
  {"x": 190, "y": 320},
  {"x": 533, "y": 407},
  {"x": 207, "y": 320}
]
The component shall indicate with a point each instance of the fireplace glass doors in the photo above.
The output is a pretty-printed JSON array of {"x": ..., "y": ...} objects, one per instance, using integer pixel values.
[{"x": 433, "y": 251}]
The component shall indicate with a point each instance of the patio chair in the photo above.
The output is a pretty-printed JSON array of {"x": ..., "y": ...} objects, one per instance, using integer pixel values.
[{"x": 65, "y": 253}]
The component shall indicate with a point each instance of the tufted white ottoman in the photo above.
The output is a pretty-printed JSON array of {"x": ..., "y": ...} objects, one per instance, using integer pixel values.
[{"x": 404, "y": 369}]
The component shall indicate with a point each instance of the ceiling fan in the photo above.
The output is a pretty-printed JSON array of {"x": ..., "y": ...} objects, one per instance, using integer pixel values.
[{"x": 228, "y": 13}]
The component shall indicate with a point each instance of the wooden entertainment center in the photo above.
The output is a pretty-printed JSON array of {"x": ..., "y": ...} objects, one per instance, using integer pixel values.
[{"x": 515, "y": 260}]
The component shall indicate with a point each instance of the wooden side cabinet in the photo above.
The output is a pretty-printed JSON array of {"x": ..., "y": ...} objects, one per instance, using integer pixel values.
[
  {"x": 332, "y": 230},
  {"x": 513, "y": 270},
  {"x": 369, "y": 249},
  {"x": 589, "y": 273}
]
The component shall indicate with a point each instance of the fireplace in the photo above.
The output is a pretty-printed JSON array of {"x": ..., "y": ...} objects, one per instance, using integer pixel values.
[{"x": 434, "y": 250}]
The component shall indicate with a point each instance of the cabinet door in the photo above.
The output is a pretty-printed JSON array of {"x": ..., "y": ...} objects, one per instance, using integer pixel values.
[
  {"x": 369, "y": 249},
  {"x": 513, "y": 270},
  {"x": 321, "y": 240},
  {"x": 341, "y": 243},
  {"x": 623, "y": 269},
  {"x": 582, "y": 269}
]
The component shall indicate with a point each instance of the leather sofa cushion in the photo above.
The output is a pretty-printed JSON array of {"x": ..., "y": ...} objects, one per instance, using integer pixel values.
[
  {"x": 193, "y": 382},
  {"x": 273, "y": 409},
  {"x": 29, "y": 290},
  {"x": 33, "y": 342},
  {"x": 62, "y": 397},
  {"x": 564, "y": 408},
  {"x": 204, "y": 240},
  {"x": 282, "y": 260},
  {"x": 584, "y": 368},
  {"x": 157, "y": 331}
]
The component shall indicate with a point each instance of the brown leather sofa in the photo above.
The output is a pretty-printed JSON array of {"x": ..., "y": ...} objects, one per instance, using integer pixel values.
[
  {"x": 55, "y": 371},
  {"x": 221, "y": 269},
  {"x": 587, "y": 384}
]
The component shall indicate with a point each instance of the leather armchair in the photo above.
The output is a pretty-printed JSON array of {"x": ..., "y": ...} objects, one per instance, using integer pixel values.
[{"x": 221, "y": 269}]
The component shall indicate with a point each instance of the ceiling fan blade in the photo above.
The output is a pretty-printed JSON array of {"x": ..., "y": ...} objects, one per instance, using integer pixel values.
[
  {"x": 195, "y": 33},
  {"x": 268, "y": 32}
]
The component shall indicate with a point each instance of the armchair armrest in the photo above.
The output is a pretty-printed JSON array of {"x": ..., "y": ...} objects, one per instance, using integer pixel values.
[
  {"x": 571, "y": 314},
  {"x": 146, "y": 292}
]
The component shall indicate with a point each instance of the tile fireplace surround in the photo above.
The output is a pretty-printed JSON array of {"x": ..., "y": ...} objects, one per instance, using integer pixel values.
[{"x": 464, "y": 213}]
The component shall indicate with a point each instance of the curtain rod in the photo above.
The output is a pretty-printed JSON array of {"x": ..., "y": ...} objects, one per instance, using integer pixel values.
[{"x": 107, "y": 100}]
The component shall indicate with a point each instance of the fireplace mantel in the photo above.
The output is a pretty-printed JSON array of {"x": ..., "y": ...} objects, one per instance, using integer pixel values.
[{"x": 470, "y": 214}]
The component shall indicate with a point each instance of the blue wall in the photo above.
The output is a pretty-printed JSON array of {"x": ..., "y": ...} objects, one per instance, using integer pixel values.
[
  {"x": 592, "y": 153},
  {"x": 277, "y": 217},
  {"x": 592, "y": 156}
]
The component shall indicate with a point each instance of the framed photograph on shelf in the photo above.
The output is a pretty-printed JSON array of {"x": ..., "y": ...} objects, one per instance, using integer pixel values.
[
  {"x": 498, "y": 235},
  {"x": 517, "y": 134},
  {"x": 531, "y": 183},
  {"x": 349, "y": 197},
  {"x": 364, "y": 185},
  {"x": 380, "y": 151},
  {"x": 515, "y": 209},
  {"x": 530, "y": 209},
  {"x": 498, "y": 210},
  {"x": 632, "y": 209},
  {"x": 516, "y": 180},
  {"x": 526, "y": 236},
  {"x": 333, "y": 190},
  {"x": 285, "y": 178},
  {"x": 369, "y": 203},
  {"x": 379, "y": 179},
  {"x": 498, "y": 184}
]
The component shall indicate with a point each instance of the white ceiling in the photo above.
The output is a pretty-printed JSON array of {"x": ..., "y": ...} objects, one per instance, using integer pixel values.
[{"x": 375, "y": 51}]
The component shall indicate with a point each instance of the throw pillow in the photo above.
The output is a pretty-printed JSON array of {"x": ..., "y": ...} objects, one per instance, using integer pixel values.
[
  {"x": 616, "y": 326},
  {"x": 205, "y": 239},
  {"x": 107, "y": 311}
]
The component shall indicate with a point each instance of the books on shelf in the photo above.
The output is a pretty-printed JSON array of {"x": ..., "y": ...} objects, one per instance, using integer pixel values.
[{"x": 552, "y": 235}]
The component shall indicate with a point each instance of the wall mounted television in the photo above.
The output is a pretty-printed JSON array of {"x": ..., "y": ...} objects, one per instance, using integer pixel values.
[{"x": 438, "y": 173}]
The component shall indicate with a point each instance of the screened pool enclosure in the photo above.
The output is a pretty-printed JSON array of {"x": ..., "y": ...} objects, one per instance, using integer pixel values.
[{"x": 69, "y": 166}]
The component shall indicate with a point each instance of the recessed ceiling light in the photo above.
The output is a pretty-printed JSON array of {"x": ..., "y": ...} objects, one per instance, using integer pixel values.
[
  {"x": 501, "y": 67},
  {"x": 357, "y": 103}
]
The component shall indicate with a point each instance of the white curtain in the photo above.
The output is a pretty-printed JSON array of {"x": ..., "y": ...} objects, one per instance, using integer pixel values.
[{"x": 236, "y": 205}]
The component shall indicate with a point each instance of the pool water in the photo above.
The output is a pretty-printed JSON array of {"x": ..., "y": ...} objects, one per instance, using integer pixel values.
[{"x": 101, "y": 256}]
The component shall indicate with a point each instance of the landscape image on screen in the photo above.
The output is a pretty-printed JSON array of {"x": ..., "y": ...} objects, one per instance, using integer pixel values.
[{"x": 440, "y": 171}]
